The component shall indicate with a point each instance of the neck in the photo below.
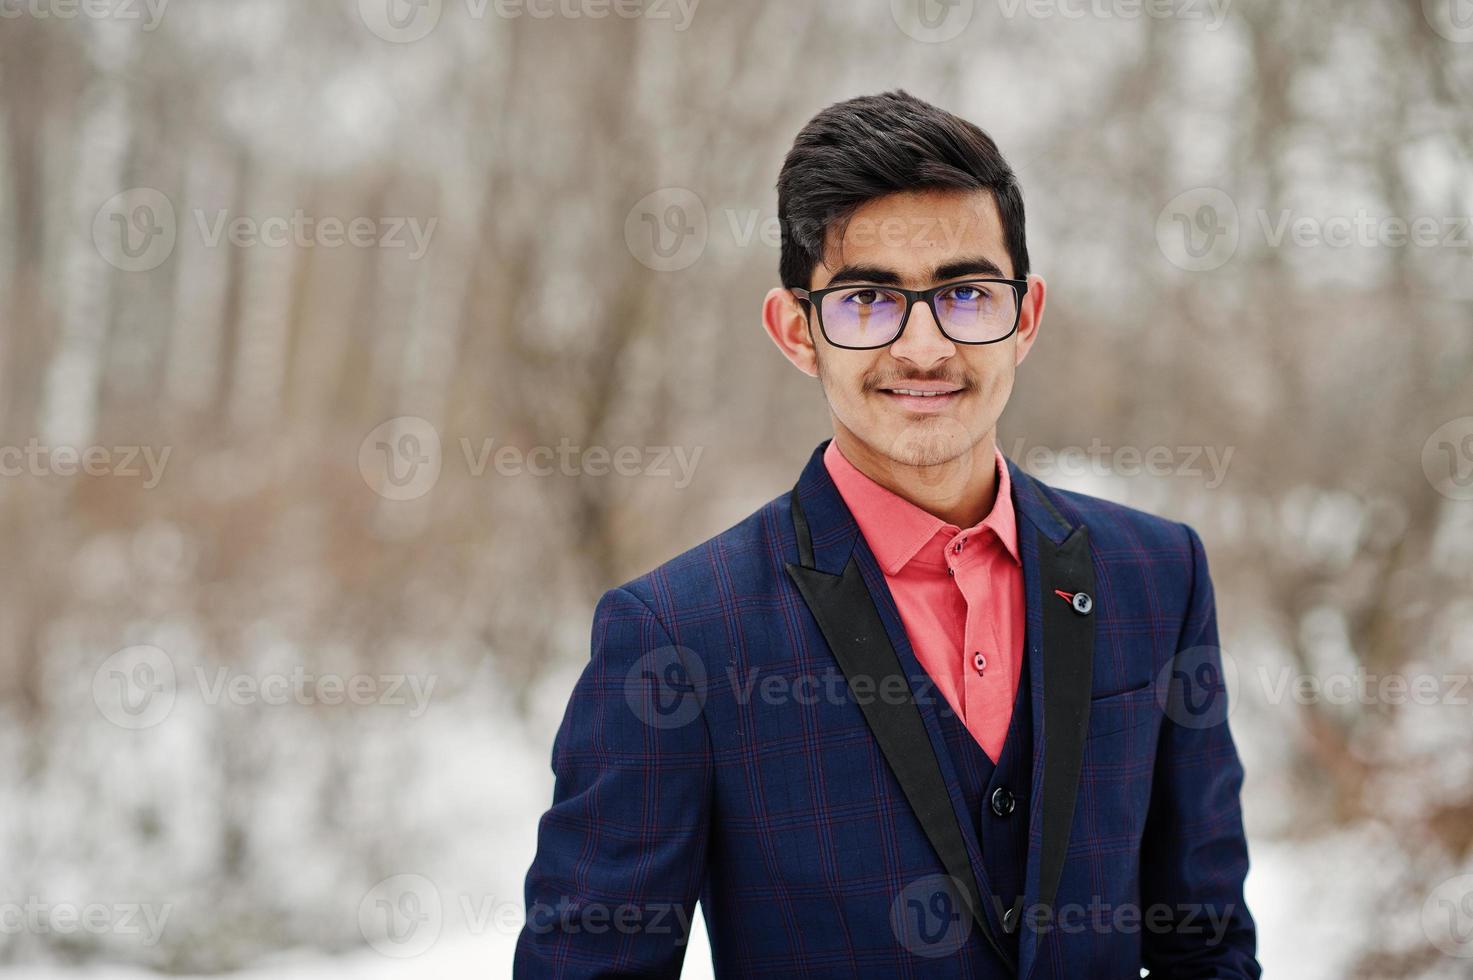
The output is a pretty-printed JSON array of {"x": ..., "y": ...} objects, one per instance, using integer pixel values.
[{"x": 960, "y": 491}]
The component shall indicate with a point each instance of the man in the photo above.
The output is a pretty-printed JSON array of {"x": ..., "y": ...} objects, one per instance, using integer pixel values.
[{"x": 924, "y": 715}]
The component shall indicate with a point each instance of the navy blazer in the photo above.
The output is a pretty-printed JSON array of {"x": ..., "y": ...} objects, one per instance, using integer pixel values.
[{"x": 754, "y": 731}]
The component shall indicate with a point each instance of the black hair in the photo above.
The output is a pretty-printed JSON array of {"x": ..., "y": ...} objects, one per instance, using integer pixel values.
[{"x": 863, "y": 148}]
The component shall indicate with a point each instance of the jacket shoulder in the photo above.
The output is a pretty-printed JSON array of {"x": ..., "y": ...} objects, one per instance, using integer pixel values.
[{"x": 1120, "y": 531}]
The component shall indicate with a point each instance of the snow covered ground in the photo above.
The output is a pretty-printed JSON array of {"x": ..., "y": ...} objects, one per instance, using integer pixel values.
[
  {"x": 1284, "y": 893},
  {"x": 484, "y": 798}
]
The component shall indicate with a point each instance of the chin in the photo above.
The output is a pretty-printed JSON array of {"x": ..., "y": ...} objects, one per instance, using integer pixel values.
[{"x": 930, "y": 440}]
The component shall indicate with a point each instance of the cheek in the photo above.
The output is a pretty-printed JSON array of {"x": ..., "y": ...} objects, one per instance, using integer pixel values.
[
  {"x": 992, "y": 368},
  {"x": 842, "y": 374}
]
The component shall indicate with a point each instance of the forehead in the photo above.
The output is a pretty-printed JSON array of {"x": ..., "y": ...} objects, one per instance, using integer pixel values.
[{"x": 913, "y": 232}]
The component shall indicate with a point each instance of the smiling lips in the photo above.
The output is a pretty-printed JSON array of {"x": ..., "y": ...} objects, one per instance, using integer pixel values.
[{"x": 922, "y": 396}]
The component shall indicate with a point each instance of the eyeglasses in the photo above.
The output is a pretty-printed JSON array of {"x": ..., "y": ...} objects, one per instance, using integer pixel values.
[{"x": 864, "y": 317}]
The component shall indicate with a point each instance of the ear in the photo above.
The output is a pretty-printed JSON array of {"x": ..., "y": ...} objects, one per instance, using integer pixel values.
[
  {"x": 786, "y": 322},
  {"x": 1030, "y": 317}
]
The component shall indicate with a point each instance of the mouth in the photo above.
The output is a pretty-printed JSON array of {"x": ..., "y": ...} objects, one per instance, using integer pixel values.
[{"x": 921, "y": 396}]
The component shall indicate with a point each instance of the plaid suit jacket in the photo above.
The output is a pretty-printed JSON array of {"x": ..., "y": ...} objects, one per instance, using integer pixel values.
[{"x": 754, "y": 731}]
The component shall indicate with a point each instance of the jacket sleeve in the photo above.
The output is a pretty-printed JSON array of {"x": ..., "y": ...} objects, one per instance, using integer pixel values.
[
  {"x": 621, "y": 854},
  {"x": 1194, "y": 855}
]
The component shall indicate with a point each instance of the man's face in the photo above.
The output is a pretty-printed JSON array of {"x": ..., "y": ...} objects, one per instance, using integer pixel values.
[{"x": 919, "y": 239}]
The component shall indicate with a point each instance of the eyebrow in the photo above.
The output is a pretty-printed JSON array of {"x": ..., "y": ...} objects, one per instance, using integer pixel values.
[{"x": 880, "y": 276}]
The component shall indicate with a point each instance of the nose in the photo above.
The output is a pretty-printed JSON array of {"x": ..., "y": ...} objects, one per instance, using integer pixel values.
[{"x": 922, "y": 343}]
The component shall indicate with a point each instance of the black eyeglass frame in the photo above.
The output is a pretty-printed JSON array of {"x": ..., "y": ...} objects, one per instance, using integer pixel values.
[{"x": 928, "y": 296}]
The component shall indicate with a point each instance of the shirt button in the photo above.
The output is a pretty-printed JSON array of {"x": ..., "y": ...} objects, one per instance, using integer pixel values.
[
  {"x": 958, "y": 547},
  {"x": 1003, "y": 801},
  {"x": 1082, "y": 603},
  {"x": 979, "y": 661},
  {"x": 951, "y": 572}
]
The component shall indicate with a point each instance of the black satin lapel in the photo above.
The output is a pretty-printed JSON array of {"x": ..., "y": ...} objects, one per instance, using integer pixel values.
[
  {"x": 851, "y": 624},
  {"x": 1068, "y": 665}
]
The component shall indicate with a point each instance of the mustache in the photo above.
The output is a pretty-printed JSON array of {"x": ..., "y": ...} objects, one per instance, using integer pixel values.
[{"x": 876, "y": 382}]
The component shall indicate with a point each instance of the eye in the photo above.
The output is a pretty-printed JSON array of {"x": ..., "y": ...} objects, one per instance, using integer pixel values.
[
  {"x": 968, "y": 293},
  {"x": 867, "y": 296}
]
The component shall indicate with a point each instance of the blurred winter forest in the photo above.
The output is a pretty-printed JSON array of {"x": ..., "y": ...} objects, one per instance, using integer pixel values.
[{"x": 239, "y": 237}]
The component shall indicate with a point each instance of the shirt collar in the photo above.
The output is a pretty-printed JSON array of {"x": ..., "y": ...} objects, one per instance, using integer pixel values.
[{"x": 897, "y": 529}]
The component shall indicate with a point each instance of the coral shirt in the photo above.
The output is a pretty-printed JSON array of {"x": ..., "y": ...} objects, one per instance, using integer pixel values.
[{"x": 959, "y": 593}]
